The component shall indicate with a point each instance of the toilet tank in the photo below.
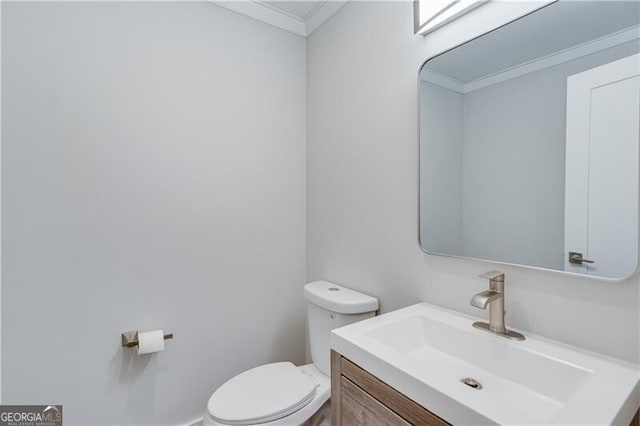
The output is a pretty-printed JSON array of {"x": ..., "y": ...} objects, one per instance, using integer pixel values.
[{"x": 331, "y": 306}]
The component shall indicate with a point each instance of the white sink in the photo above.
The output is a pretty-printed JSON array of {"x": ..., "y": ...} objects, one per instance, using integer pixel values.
[{"x": 425, "y": 351}]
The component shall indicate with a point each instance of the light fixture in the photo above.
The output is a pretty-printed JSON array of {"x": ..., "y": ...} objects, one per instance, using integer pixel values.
[{"x": 432, "y": 14}]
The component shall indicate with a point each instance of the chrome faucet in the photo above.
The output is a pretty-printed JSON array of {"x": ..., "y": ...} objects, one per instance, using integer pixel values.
[{"x": 494, "y": 297}]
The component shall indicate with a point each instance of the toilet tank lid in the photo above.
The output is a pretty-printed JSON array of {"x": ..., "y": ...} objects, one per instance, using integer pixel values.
[{"x": 337, "y": 298}]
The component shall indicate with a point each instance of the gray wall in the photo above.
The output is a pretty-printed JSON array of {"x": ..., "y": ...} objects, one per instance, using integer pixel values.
[
  {"x": 513, "y": 185},
  {"x": 152, "y": 177},
  {"x": 514, "y": 164},
  {"x": 362, "y": 193},
  {"x": 441, "y": 139}
]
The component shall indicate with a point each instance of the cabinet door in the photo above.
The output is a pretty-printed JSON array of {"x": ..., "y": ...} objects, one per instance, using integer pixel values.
[
  {"x": 360, "y": 409},
  {"x": 359, "y": 398}
]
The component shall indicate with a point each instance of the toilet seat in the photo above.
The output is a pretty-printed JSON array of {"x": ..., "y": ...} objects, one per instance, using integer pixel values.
[{"x": 262, "y": 394}]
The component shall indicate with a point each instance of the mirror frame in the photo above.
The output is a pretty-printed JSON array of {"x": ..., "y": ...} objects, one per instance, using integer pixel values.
[{"x": 490, "y": 261}]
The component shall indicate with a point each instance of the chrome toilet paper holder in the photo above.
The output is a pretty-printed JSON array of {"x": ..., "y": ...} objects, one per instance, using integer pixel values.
[{"x": 130, "y": 338}]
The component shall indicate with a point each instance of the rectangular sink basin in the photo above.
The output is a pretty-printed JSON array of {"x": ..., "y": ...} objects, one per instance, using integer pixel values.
[{"x": 426, "y": 352}]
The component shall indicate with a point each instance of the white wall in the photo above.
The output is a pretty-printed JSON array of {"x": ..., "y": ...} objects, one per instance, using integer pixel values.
[
  {"x": 152, "y": 177},
  {"x": 362, "y": 194},
  {"x": 441, "y": 172},
  {"x": 514, "y": 164}
]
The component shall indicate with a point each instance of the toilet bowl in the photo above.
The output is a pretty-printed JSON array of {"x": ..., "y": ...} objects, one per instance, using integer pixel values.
[
  {"x": 271, "y": 394},
  {"x": 280, "y": 393}
]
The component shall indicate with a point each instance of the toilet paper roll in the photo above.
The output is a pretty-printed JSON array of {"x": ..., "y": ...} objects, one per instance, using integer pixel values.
[{"x": 150, "y": 341}]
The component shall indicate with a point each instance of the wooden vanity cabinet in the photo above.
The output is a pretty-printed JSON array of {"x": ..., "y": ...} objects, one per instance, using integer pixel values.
[{"x": 360, "y": 399}]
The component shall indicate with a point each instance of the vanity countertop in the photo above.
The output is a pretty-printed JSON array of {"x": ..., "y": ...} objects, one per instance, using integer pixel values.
[{"x": 425, "y": 352}]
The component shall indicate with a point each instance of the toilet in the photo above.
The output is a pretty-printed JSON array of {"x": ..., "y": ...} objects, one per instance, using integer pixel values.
[{"x": 281, "y": 393}]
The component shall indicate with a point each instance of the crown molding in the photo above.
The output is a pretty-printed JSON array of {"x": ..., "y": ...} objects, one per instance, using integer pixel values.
[
  {"x": 444, "y": 81},
  {"x": 265, "y": 13},
  {"x": 553, "y": 59},
  {"x": 326, "y": 10}
]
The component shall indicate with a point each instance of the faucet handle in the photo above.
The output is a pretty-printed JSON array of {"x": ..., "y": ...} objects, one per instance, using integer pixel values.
[{"x": 493, "y": 275}]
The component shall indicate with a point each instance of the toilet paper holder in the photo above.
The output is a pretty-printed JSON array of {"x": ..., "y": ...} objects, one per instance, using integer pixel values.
[{"x": 130, "y": 338}]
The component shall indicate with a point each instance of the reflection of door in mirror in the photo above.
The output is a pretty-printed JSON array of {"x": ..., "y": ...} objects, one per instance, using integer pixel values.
[{"x": 601, "y": 189}]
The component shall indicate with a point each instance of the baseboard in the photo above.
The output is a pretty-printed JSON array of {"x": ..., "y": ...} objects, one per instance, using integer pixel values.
[{"x": 195, "y": 422}]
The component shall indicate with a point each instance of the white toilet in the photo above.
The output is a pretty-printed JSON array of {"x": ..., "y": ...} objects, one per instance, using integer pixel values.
[{"x": 281, "y": 393}]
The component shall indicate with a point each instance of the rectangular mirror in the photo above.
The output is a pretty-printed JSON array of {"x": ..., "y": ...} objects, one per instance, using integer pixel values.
[{"x": 529, "y": 142}]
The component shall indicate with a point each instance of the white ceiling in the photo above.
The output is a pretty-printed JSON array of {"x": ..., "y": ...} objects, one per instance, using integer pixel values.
[
  {"x": 299, "y": 17},
  {"x": 555, "y": 28}
]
